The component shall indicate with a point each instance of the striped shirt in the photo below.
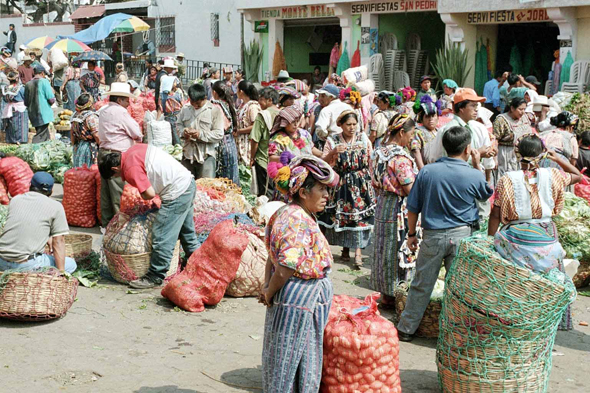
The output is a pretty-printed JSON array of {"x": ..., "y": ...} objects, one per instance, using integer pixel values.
[{"x": 32, "y": 219}]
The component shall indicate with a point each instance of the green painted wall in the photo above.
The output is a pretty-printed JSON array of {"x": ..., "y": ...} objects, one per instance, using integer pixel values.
[
  {"x": 426, "y": 24},
  {"x": 356, "y": 34},
  {"x": 296, "y": 49}
]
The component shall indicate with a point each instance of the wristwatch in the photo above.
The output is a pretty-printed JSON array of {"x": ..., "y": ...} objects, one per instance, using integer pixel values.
[{"x": 411, "y": 235}]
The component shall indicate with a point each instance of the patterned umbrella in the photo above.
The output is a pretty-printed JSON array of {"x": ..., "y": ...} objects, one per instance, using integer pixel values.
[
  {"x": 69, "y": 45},
  {"x": 131, "y": 25},
  {"x": 92, "y": 55},
  {"x": 39, "y": 42}
]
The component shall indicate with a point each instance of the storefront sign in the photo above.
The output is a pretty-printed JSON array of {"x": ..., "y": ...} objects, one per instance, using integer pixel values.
[
  {"x": 261, "y": 26},
  {"x": 501, "y": 17},
  {"x": 394, "y": 6},
  {"x": 303, "y": 12}
]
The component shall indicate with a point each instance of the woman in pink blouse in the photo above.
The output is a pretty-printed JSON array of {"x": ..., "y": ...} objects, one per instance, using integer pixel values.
[
  {"x": 297, "y": 290},
  {"x": 393, "y": 173}
]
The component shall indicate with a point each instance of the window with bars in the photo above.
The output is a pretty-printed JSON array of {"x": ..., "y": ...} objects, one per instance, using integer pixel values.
[
  {"x": 215, "y": 29},
  {"x": 167, "y": 35}
]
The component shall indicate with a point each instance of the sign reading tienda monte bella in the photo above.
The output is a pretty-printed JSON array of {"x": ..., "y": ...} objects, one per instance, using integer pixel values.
[
  {"x": 514, "y": 16},
  {"x": 302, "y": 12},
  {"x": 394, "y": 6}
]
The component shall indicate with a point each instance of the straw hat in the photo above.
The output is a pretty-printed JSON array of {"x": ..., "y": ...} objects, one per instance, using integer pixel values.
[
  {"x": 120, "y": 89},
  {"x": 169, "y": 63}
]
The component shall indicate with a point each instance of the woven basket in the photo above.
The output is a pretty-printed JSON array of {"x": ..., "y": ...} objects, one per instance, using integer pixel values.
[
  {"x": 429, "y": 325},
  {"x": 29, "y": 296},
  {"x": 77, "y": 246},
  {"x": 126, "y": 268}
]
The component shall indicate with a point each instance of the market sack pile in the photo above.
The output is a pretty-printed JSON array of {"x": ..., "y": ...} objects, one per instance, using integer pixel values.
[
  {"x": 219, "y": 196},
  {"x": 79, "y": 199},
  {"x": 158, "y": 132},
  {"x": 573, "y": 226},
  {"x": 498, "y": 322},
  {"x": 249, "y": 278},
  {"x": 17, "y": 175},
  {"x": 209, "y": 270},
  {"x": 361, "y": 348}
]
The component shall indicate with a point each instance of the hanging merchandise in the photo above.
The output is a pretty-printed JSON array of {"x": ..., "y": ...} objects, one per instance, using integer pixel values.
[
  {"x": 278, "y": 62},
  {"x": 555, "y": 74},
  {"x": 334, "y": 57},
  {"x": 356, "y": 56},
  {"x": 565, "y": 69},
  {"x": 516, "y": 60},
  {"x": 344, "y": 62},
  {"x": 491, "y": 61},
  {"x": 528, "y": 62},
  {"x": 481, "y": 68}
]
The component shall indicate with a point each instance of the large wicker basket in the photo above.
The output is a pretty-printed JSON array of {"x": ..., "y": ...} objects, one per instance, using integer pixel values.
[
  {"x": 32, "y": 296},
  {"x": 429, "y": 325},
  {"x": 126, "y": 268},
  {"x": 77, "y": 246}
]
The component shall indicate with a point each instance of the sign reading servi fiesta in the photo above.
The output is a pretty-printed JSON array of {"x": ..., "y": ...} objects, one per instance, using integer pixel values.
[
  {"x": 514, "y": 16},
  {"x": 393, "y": 6},
  {"x": 302, "y": 12}
]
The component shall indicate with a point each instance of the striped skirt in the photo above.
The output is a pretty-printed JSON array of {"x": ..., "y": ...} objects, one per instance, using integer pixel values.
[
  {"x": 293, "y": 336},
  {"x": 227, "y": 159},
  {"x": 350, "y": 237},
  {"x": 17, "y": 127},
  {"x": 386, "y": 272},
  {"x": 85, "y": 152},
  {"x": 73, "y": 91}
]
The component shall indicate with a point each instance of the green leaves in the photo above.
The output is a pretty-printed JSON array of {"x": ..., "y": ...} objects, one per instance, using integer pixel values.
[
  {"x": 252, "y": 61},
  {"x": 451, "y": 63}
]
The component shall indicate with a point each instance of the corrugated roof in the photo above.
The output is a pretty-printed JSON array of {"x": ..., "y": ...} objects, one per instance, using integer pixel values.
[{"x": 89, "y": 11}]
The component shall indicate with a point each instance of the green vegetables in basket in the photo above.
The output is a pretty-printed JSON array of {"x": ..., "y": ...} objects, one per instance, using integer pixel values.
[
  {"x": 174, "y": 150},
  {"x": 574, "y": 230},
  {"x": 3, "y": 217}
]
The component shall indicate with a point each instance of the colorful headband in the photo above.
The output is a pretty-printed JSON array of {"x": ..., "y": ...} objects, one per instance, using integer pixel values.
[
  {"x": 290, "y": 174},
  {"x": 88, "y": 105},
  {"x": 397, "y": 122},
  {"x": 532, "y": 161}
]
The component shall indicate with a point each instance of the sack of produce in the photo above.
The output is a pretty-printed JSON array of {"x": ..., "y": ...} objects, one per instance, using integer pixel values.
[
  {"x": 209, "y": 270},
  {"x": 79, "y": 199},
  {"x": 149, "y": 103},
  {"x": 365, "y": 87},
  {"x": 130, "y": 233},
  {"x": 361, "y": 348},
  {"x": 4, "y": 200},
  {"x": 159, "y": 132},
  {"x": 220, "y": 196},
  {"x": 250, "y": 275},
  {"x": 17, "y": 174},
  {"x": 572, "y": 226},
  {"x": 355, "y": 75},
  {"x": 57, "y": 59},
  {"x": 583, "y": 191},
  {"x": 131, "y": 199}
]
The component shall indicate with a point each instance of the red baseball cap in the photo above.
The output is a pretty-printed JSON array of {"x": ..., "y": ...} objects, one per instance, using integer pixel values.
[{"x": 467, "y": 94}]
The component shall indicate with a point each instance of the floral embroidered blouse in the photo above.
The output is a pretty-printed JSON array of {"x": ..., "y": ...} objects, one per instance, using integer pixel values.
[
  {"x": 281, "y": 141},
  {"x": 392, "y": 169},
  {"x": 294, "y": 240}
]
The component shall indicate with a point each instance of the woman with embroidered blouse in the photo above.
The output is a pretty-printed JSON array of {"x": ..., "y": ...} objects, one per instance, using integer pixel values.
[
  {"x": 393, "y": 173},
  {"x": 287, "y": 136},
  {"x": 297, "y": 290}
]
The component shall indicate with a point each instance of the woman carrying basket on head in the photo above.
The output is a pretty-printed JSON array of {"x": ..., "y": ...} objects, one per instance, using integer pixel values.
[
  {"x": 525, "y": 201},
  {"x": 297, "y": 290}
]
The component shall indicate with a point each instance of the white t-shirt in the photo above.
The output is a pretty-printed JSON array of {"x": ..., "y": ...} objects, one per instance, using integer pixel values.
[{"x": 168, "y": 177}]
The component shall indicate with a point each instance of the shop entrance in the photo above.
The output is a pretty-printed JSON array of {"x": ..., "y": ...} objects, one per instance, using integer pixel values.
[
  {"x": 536, "y": 43},
  {"x": 308, "y": 43}
]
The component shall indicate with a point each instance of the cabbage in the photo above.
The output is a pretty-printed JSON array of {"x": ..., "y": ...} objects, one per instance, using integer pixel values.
[{"x": 573, "y": 226}]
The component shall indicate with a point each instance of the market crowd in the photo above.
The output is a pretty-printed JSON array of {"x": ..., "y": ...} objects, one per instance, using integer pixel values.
[{"x": 412, "y": 172}]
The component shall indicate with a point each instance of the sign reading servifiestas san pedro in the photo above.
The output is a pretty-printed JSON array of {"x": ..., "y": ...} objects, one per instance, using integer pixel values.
[{"x": 383, "y": 7}]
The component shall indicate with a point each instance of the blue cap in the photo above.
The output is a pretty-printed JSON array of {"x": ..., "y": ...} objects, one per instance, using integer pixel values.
[
  {"x": 330, "y": 90},
  {"x": 39, "y": 69},
  {"x": 42, "y": 181}
]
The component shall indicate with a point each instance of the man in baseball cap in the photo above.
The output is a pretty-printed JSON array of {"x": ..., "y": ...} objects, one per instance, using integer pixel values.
[
  {"x": 332, "y": 107},
  {"x": 34, "y": 221}
]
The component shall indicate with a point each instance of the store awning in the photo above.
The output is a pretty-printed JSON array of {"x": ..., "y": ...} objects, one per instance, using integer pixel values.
[{"x": 91, "y": 11}]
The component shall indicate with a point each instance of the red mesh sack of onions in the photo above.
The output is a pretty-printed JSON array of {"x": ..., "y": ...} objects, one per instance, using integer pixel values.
[
  {"x": 79, "y": 199},
  {"x": 131, "y": 198},
  {"x": 17, "y": 175},
  {"x": 98, "y": 183},
  {"x": 361, "y": 349},
  {"x": 4, "y": 200}
]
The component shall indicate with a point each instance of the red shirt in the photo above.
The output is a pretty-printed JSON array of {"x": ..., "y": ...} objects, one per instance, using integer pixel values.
[
  {"x": 133, "y": 167},
  {"x": 100, "y": 72}
]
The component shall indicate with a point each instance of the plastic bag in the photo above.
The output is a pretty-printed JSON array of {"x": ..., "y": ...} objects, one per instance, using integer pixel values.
[
  {"x": 361, "y": 348},
  {"x": 79, "y": 199},
  {"x": 250, "y": 275},
  {"x": 17, "y": 174},
  {"x": 159, "y": 132},
  {"x": 209, "y": 270},
  {"x": 131, "y": 199},
  {"x": 4, "y": 200}
]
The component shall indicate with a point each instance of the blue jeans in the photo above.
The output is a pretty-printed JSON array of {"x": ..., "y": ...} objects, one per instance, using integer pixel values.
[
  {"x": 174, "y": 220},
  {"x": 43, "y": 260}
]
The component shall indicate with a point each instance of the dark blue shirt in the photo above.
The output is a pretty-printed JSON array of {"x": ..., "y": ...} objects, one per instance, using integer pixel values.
[{"x": 445, "y": 193}]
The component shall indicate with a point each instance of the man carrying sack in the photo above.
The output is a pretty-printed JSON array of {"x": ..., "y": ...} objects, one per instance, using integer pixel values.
[
  {"x": 117, "y": 132},
  {"x": 154, "y": 172},
  {"x": 35, "y": 220}
]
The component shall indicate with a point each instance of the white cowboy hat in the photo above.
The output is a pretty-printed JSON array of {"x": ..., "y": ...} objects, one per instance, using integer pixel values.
[
  {"x": 169, "y": 63},
  {"x": 283, "y": 74},
  {"x": 180, "y": 55},
  {"x": 120, "y": 89},
  {"x": 539, "y": 102}
]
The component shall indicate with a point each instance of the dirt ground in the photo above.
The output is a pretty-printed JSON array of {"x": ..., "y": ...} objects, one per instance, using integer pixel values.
[{"x": 114, "y": 341}]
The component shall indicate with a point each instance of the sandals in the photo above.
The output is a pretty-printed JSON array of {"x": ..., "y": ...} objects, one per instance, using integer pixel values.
[{"x": 358, "y": 262}]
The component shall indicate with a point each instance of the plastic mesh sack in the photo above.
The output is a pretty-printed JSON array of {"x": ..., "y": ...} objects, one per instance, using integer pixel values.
[
  {"x": 361, "y": 348},
  {"x": 4, "y": 200},
  {"x": 131, "y": 199},
  {"x": 130, "y": 233},
  {"x": 79, "y": 199},
  {"x": 209, "y": 270},
  {"x": 250, "y": 275},
  {"x": 17, "y": 174}
]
